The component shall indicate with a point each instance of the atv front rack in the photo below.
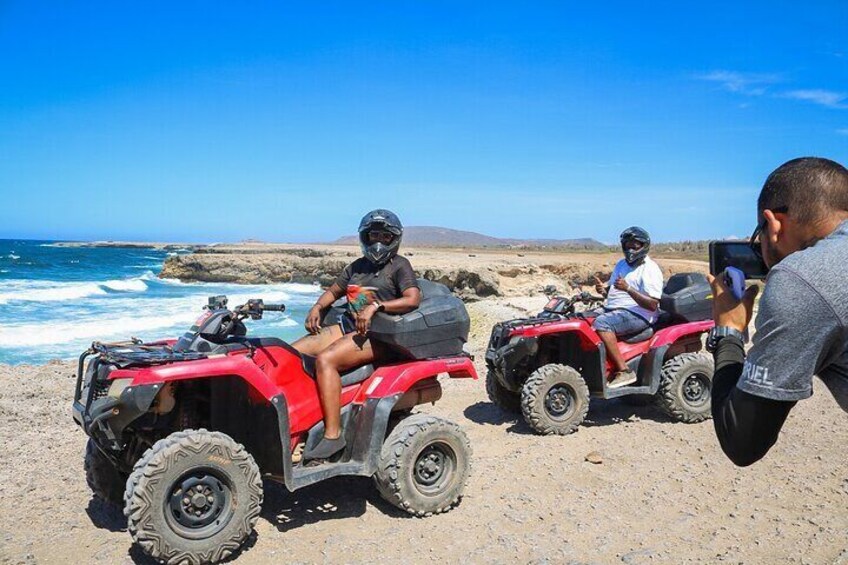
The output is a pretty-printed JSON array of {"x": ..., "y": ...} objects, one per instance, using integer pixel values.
[
  {"x": 124, "y": 354},
  {"x": 131, "y": 353}
]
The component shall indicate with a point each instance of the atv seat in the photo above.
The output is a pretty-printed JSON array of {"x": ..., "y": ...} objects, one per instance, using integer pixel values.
[
  {"x": 352, "y": 377},
  {"x": 644, "y": 335},
  {"x": 663, "y": 320}
]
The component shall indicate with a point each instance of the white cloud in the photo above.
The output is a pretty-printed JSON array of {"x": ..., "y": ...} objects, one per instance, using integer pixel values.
[
  {"x": 750, "y": 84},
  {"x": 758, "y": 84},
  {"x": 828, "y": 98}
]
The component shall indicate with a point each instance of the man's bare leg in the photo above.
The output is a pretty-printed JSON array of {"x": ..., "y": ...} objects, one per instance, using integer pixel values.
[{"x": 613, "y": 353}]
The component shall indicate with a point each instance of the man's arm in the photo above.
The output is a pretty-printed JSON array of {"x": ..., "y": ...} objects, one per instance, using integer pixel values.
[
  {"x": 642, "y": 300},
  {"x": 651, "y": 289},
  {"x": 747, "y": 426},
  {"x": 752, "y": 397}
]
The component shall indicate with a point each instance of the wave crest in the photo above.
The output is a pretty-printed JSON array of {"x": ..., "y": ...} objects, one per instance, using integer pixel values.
[{"x": 49, "y": 291}]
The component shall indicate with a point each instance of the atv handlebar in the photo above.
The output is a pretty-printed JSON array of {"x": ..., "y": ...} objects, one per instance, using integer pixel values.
[
  {"x": 587, "y": 298},
  {"x": 255, "y": 307}
]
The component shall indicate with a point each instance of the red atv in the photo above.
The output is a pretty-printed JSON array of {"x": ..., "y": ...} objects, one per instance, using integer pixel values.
[
  {"x": 181, "y": 432},
  {"x": 548, "y": 366}
]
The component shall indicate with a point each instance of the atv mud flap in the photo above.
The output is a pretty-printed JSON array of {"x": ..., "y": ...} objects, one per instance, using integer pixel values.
[
  {"x": 510, "y": 362},
  {"x": 370, "y": 421}
]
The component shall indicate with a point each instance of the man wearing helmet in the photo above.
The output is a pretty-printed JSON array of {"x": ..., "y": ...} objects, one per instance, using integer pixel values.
[
  {"x": 379, "y": 281},
  {"x": 633, "y": 297}
]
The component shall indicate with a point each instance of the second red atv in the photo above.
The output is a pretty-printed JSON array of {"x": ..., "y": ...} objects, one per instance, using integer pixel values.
[
  {"x": 548, "y": 366},
  {"x": 181, "y": 432}
]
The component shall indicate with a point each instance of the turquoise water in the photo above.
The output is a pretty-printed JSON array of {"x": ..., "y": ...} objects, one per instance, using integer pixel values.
[{"x": 54, "y": 301}]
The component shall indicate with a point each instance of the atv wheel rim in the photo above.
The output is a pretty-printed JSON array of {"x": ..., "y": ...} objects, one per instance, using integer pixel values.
[
  {"x": 199, "y": 504},
  {"x": 559, "y": 402},
  {"x": 696, "y": 389},
  {"x": 434, "y": 468}
]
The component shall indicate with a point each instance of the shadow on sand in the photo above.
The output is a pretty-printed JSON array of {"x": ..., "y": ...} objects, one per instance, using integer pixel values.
[
  {"x": 333, "y": 499},
  {"x": 106, "y": 516},
  {"x": 601, "y": 413}
]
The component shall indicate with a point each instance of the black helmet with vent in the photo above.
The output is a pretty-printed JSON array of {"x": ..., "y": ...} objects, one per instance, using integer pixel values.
[
  {"x": 380, "y": 220},
  {"x": 635, "y": 233}
]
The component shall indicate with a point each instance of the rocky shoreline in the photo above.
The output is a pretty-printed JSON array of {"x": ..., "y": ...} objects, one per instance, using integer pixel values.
[
  {"x": 471, "y": 274},
  {"x": 131, "y": 245}
]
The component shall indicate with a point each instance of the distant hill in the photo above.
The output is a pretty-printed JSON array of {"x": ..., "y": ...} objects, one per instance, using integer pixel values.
[{"x": 431, "y": 236}]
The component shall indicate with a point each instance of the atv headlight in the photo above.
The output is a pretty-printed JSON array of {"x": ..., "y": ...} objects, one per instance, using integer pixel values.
[{"x": 117, "y": 387}]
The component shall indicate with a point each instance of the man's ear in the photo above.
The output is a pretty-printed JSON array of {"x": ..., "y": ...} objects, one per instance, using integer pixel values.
[{"x": 775, "y": 226}]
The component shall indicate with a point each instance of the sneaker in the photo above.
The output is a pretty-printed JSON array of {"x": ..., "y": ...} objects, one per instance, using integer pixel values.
[
  {"x": 622, "y": 378},
  {"x": 325, "y": 450}
]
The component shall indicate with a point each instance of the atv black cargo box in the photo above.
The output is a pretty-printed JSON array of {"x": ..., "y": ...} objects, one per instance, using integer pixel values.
[
  {"x": 687, "y": 297},
  {"x": 437, "y": 328}
]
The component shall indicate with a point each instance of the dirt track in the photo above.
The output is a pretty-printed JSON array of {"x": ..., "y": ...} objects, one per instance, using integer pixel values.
[{"x": 663, "y": 494}]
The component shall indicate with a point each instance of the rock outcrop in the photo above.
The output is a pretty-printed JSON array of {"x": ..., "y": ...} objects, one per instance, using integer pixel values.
[{"x": 471, "y": 276}]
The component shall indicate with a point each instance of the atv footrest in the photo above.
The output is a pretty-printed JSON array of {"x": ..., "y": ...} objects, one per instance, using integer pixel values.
[
  {"x": 626, "y": 391},
  {"x": 303, "y": 475}
]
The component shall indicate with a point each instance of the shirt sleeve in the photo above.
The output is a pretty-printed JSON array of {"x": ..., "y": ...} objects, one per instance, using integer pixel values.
[
  {"x": 797, "y": 333},
  {"x": 652, "y": 281},
  {"x": 344, "y": 277},
  {"x": 404, "y": 275}
]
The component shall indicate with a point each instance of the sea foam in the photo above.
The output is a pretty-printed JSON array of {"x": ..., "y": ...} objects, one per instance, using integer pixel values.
[{"x": 50, "y": 291}]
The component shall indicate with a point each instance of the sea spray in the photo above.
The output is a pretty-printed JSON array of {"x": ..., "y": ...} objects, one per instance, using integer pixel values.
[{"x": 70, "y": 296}]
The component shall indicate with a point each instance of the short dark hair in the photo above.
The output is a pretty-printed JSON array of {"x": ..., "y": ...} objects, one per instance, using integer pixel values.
[{"x": 811, "y": 188}]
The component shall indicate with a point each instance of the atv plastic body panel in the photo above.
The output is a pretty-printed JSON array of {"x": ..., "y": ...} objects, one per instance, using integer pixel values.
[{"x": 118, "y": 388}]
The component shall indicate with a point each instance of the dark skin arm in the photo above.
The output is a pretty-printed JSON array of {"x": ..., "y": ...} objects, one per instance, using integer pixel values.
[
  {"x": 408, "y": 302},
  {"x": 642, "y": 300},
  {"x": 600, "y": 287},
  {"x": 313, "y": 318}
]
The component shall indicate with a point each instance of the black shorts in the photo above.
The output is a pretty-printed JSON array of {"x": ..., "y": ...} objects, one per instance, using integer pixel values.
[{"x": 347, "y": 323}]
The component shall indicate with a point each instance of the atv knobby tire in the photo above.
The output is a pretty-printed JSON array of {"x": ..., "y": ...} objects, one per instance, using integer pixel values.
[
  {"x": 555, "y": 399},
  {"x": 103, "y": 478},
  {"x": 685, "y": 386},
  {"x": 188, "y": 472},
  {"x": 502, "y": 397},
  {"x": 424, "y": 465}
]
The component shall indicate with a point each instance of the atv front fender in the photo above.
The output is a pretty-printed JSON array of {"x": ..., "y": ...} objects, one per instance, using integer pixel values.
[
  {"x": 510, "y": 362},
  {"x": 106, "y": 418}
]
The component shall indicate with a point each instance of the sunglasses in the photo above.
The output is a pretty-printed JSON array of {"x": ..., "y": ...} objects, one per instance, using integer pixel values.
[
  {"x": 754, "y": 242},
  {"x": 381, "y": 236}
]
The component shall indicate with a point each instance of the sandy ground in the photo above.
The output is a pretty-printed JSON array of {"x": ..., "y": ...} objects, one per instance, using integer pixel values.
[{"x": 664, "y": 492}]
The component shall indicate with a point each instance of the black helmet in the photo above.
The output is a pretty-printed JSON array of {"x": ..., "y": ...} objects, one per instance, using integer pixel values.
[
  {"x": 380, "y": 253},
  {"x": 635, "y": 233}
]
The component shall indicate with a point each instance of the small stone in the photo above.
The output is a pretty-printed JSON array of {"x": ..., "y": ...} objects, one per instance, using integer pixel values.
[{"x": 594, "y": 458}]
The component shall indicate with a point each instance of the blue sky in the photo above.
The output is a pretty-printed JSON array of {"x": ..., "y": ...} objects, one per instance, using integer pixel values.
[{"x": 213, "y": 121}]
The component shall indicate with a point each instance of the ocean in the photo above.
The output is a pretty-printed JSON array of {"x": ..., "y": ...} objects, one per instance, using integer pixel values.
[{"x": 54, "y": 301}]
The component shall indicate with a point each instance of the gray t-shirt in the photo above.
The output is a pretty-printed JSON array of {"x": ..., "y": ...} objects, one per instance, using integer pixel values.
[{"x": 802, "y": 325}]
